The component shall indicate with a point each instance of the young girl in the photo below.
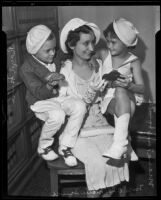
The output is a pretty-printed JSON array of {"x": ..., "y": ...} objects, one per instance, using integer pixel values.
[
  {"x": 39, "y": 76},
  {"x": 128, "y": 88}
]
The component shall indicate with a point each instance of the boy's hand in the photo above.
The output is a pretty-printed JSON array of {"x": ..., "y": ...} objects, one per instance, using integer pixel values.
[{"x": 54, "y": 78}]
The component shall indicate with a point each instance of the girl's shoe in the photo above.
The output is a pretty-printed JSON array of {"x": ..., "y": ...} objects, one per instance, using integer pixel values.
[{"x": 115, "y": 152}]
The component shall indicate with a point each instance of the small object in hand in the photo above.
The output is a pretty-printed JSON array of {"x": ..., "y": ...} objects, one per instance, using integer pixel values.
[
  {"x": 55, "y": 77},
  {"x": 112, "y": 76}
]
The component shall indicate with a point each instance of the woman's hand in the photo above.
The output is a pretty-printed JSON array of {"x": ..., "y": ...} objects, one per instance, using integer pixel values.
[
  {"x": 97, "y": 84},
  {"x": 93, "y": 64}
]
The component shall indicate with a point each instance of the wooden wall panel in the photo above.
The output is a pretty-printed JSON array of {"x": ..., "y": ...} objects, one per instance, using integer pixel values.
[
  {"x": 29, "y": 16},
  {"x": 23, "y": 128},
  {"x": 14, "y": 111},
  {"x": 7, "y": 19},
  {"x": 33, "y": 128},
  {"x": 16, "y": 155},
  {"x": 12, "y": 64}
]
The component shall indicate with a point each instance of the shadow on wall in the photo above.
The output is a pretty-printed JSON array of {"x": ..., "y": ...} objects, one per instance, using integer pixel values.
[{"x": 139, "y": 51}]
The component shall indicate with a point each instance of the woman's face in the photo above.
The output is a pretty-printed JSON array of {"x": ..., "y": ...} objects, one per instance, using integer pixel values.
[
  {"x": 47, "y": 51},
  {"x": 85, "y": 46}
]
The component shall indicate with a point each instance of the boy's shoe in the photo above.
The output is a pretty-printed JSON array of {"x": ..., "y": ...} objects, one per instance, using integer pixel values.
[
  {"x": 70, "y": 160},
  {"x": 47, "y": 154}
]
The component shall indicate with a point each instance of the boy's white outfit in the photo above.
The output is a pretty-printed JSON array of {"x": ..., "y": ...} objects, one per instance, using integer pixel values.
[{"x": 52, "y": 112}]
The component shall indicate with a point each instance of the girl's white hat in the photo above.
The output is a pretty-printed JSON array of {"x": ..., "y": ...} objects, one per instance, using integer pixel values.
[
  {"x": 36, "y": 38},
  {"x": 126, "y": 32},
  {"x": 74, "y": 24}
]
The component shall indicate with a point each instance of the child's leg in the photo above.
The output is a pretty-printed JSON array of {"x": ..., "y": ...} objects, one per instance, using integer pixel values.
[
  {"x": 76, "y": 110},
  {"x": 121, "y": 107},
  {"x": 130, "y": 151},
  {"x": 51, "y": 126}
]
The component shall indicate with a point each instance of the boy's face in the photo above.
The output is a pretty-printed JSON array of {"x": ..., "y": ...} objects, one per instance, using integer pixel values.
[
  {"x": 85, "y": 46},
  {"x": 115, "y": 45},
  {"x": 47, "y": 51}
]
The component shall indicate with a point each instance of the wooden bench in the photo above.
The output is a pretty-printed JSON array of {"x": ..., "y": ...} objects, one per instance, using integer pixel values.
[{"x": 59, "y": 169}]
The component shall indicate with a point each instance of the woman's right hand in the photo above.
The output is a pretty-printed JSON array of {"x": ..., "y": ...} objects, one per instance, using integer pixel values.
[{"x": 97, "y": 84}]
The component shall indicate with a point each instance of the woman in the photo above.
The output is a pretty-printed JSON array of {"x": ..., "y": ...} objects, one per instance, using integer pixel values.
[{"x": 78, "y": 39}]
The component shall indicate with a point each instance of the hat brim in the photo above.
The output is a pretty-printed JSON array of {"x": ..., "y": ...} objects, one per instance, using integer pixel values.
[
  {"x": 122, "y": 38},
  {"x": 70, "y": 26}
]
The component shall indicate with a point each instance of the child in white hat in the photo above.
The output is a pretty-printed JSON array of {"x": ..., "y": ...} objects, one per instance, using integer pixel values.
[
  {"x": 40, "y": 78},
  {"x": 122, "y": 72}
]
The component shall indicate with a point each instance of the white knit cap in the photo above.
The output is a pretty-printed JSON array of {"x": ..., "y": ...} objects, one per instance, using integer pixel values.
[
  {"x": 126, "y": 32},
  {"x": 74, "y": 24},
  {"x": 36, "y": 38}
]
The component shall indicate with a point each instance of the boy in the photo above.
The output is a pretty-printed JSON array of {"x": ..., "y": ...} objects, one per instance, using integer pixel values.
[{"x": 41, "y": 81}]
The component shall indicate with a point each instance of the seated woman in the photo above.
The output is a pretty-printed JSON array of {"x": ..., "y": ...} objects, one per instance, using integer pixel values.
[{"x": 78, "y": 39}]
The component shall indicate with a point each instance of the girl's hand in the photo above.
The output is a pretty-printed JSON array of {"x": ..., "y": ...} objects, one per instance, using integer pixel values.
[{"x": 123, "y": 81}]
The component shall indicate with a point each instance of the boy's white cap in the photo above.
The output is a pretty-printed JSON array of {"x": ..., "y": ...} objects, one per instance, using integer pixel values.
[
  {"x": 126, "y": 32},
  {"x": 36, "y": 38},
  {"x": 74, "y": 24}
]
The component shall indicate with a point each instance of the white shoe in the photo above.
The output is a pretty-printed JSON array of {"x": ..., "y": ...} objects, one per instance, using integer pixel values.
[
  {"x": 131, "y": 153},
  {"x": 70, "y": 160},
  {"x": 47, "y": 154},
  {"x": 120, "y": 141},
  {"x": 115, "y": 152}
]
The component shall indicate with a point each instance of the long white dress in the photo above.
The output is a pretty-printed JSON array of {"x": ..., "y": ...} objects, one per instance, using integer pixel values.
[{"x": 100, "y": 172}]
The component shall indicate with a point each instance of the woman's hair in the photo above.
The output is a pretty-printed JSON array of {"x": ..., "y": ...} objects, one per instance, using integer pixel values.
[
  {"x": 110, "y": 30},
  {"x": 74, "y": 36}
]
